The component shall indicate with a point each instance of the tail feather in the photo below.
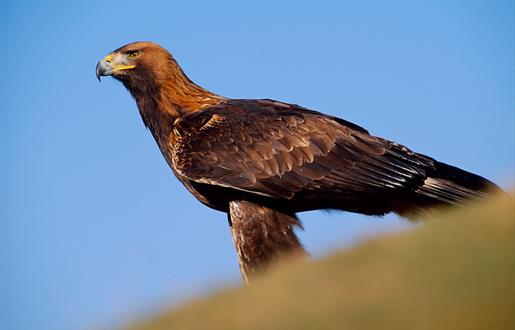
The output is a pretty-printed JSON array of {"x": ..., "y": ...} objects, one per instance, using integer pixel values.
[{"x": 451, "y": 185}]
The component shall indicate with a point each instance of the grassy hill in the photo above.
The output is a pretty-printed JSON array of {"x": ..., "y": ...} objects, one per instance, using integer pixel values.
[{"x": 457, "y": 271}]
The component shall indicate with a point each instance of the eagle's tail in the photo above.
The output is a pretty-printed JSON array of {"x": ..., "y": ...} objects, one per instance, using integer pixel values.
[{"x": 449, "y": 185}]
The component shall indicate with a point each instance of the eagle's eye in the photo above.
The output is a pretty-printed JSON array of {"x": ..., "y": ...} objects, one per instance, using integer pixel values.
[{"x": 133, "y": 54}]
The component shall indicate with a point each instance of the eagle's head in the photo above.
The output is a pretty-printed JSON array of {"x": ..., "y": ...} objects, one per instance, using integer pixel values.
[
  {"x": 137, "y": 61},
  {"x": 151, "y": 75}
]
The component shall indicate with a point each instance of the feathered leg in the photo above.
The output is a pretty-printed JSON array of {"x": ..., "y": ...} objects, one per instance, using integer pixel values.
[{"x": 261, "y": 235}]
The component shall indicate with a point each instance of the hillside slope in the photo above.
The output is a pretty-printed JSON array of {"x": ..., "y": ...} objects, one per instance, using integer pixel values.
[{"x": 457, "y": 271}]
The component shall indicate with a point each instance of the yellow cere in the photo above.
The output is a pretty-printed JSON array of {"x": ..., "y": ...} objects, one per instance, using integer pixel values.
[
  {"x": 116, "y": 67},
  {"x": 108, "y": 58}
]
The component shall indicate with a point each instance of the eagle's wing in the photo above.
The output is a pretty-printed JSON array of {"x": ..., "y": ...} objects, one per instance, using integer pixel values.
[{"x": 281, "y": 150}]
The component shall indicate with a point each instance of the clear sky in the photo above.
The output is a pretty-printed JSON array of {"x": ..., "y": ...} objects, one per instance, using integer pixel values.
[{"x": 95, "y": 230}]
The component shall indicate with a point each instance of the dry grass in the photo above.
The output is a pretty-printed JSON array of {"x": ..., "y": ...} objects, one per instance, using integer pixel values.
[{"x": 455, "y": 272}]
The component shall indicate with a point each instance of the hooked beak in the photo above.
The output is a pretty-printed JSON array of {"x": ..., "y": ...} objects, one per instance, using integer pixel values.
[
  {"x": 108, "y": 66},
  {"x": 104, "y": 67}
]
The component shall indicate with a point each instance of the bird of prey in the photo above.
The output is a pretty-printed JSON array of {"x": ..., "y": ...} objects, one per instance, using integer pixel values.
[{"x": 262, "y": 161}]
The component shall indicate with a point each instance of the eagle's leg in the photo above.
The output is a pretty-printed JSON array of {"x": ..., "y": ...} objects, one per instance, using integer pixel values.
[{"x": 261, "y": 235}]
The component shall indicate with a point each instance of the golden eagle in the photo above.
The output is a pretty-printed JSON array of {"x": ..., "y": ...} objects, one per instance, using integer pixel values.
[{"x": 262, "y": 161}]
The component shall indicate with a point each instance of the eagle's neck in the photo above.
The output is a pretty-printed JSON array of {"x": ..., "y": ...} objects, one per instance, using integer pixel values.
[{"x": 165, "y": 94}]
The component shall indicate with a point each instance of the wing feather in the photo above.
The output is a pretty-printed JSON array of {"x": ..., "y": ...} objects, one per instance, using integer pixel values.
[{"x": 280, "y": 150}]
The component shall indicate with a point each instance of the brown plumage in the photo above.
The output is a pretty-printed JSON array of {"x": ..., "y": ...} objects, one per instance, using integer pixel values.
[{"x": 262, "y": 161}]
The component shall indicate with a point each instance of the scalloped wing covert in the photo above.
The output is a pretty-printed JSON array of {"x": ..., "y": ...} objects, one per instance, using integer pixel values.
[{"x": 283, "y": 151}]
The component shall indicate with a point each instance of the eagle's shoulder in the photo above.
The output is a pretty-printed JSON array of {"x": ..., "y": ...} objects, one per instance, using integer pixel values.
[{"x": 252, "y": 112}]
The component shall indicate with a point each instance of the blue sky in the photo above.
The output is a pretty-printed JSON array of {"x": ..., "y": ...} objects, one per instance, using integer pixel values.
[{"x": 96, "y": 231}]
